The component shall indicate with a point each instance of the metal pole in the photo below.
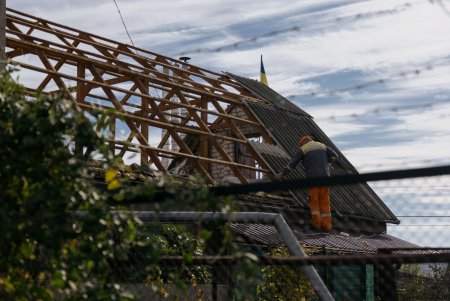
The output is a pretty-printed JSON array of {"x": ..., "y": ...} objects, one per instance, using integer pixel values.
[
  {"x": 2, "y": 34},
  {"x": 277, "y": 220}
]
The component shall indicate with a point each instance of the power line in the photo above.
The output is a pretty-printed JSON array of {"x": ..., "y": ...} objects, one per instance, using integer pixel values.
[
  {"x": 401, "y": 74},
  {"x": 423, "y": 216},
  {"x": 442, "y": 5},
  {"x": 406, "y": 164},
  {"x": 124, "y": 25},
  {"x": 129, "y": 36},
  {"x": 392, "y": 110},
  {"x": 424, "y": 225},
  {"x": 298, "y": 28}
]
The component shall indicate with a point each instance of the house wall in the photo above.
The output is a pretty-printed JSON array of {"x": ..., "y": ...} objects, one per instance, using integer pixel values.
[{"x": 218, "y": 171}]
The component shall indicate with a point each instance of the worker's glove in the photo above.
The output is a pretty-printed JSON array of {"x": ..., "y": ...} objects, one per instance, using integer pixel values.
[{"x": 336, "y": 165}]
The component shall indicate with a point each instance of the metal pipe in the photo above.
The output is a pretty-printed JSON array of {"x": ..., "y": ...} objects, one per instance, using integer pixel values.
[
  {"x": 328, "y": 260},
  {"x": 292, "y": 243},
  {"x": 2, "y": 34}
]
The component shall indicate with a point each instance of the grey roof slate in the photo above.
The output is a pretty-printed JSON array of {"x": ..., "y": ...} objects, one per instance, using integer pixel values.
[
  {"x": 310, "y": 239},
  {"x": 267, "y": 94},
  {"x": 285, "y": 123},
  {"x": 285, "y": 128}
]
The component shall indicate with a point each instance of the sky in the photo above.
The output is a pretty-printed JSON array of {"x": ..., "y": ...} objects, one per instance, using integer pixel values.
[{"x": 374, "y": 74}]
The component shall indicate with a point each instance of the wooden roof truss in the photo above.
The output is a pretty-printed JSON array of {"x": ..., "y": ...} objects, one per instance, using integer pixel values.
[{"x": 146, "y": 98}]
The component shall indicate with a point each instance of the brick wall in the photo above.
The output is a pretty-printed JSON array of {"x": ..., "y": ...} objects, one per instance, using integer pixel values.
[{"x": 219, "y": 171}]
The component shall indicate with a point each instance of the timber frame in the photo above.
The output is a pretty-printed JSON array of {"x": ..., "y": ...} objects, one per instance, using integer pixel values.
[{"x": 139, "y": 93}]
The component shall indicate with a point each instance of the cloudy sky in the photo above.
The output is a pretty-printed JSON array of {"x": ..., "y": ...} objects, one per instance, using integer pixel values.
[{"x": 375, "y": 74}]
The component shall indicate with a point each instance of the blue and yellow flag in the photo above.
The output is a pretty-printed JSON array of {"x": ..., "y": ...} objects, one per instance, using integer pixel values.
[{"x": 263, "y": 77}]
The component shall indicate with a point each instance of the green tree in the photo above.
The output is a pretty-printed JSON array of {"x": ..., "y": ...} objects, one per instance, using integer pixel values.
[
  {"x": 438, "y": 282},
  {"x": 414, "y": 284},
  {"x": 46, "y": 250},
  {"x": 284, "y": 283}
]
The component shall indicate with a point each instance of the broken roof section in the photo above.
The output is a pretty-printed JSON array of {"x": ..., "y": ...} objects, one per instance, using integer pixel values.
[{"x": 149, "y": 102}]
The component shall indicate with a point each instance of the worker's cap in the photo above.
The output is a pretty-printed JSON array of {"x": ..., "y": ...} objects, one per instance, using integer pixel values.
[{"x": 304, "y": 138}]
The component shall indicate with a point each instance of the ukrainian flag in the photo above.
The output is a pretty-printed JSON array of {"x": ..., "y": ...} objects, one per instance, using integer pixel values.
[{"x": 263, "y": 77}]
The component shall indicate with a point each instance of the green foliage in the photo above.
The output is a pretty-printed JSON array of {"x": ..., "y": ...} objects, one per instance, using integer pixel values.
[
  {"x": 438, "y": 284},
  {"x": 45, "y": 250},
  {"x": 416, "y": 285},
  {"x": 284, "y": 283},
  {"x": 174, "y": 240},
  {"x": 413, "y": 284}
]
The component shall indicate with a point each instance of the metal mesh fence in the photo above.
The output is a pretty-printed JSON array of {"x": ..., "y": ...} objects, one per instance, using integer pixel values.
[{"x": 248, "y": 256}]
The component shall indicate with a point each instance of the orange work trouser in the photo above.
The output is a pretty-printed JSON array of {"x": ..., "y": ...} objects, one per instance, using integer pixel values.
[{"x": 319, "y": 204}]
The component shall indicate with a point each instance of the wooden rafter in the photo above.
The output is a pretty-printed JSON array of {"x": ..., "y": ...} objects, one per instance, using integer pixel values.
[{"x": 141, "y": 88}]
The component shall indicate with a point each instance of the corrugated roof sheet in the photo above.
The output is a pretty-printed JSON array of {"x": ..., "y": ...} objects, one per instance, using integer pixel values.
[
  {"x": 285, "y": 128},
  {"x": 310, "y": 239},
  {"x": 267, "y": 94}
]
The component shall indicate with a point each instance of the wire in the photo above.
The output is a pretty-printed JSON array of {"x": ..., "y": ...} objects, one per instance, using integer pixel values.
[
  {"x": 423, "y": 225},
  {"x": 405, "y": 163},
  {"x": 401, "y": 74},
  {"x": 298, "y": 28},
  {"x": 129, "y": 36},
  {"x": 442, "y": 5},
  {"x": 393, "y": 110},
  {"x": 424, "y": 216},
  {"x": 124, "y": 25}
]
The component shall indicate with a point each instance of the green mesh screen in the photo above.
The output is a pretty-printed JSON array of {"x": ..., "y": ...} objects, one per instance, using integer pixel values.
[{"x": 349, "y": 282}]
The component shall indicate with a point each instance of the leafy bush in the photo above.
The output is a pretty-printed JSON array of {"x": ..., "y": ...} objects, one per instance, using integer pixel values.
[
  {"x": 46, "y": 250},
  {"x": 49, "y": 249},
  {"x": 284, "y": 283}
]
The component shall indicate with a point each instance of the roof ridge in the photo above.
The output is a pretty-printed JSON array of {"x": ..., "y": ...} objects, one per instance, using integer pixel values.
[{"x": 268, "y": 94}]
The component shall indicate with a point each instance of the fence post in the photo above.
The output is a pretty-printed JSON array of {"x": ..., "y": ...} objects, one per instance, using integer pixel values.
[
  {"x": 386, "y": 282},
  {"x": 2, "y": 34},
  {"x": 220, "y": 274}
]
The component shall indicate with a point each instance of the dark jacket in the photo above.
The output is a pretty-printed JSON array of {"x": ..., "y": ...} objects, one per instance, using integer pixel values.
[{"x": 315, "y": 157}]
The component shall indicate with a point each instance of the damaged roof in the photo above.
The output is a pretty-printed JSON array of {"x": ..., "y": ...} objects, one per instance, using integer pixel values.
[{"x": 285, "y": 123}]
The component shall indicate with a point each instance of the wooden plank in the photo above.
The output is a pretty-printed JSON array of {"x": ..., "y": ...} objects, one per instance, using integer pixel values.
[
  {"x": 100, "y": 84},
  {"x": 104, "y": 84},
  {"x": 131, "y": 125},
  {"x": 158, "y": 76},
  {"x": 185, "y": 155},
  {"x": 183, "y": 147},
  {"x": 144, "y": 125},
  {"x": 57, "y": 79}
]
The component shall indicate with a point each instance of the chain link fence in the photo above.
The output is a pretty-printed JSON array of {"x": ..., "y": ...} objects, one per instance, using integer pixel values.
[{"x": 247, "y": 256}]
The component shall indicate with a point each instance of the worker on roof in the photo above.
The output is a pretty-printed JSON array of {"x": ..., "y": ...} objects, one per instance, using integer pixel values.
[{"x": 315, "y": 157}]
